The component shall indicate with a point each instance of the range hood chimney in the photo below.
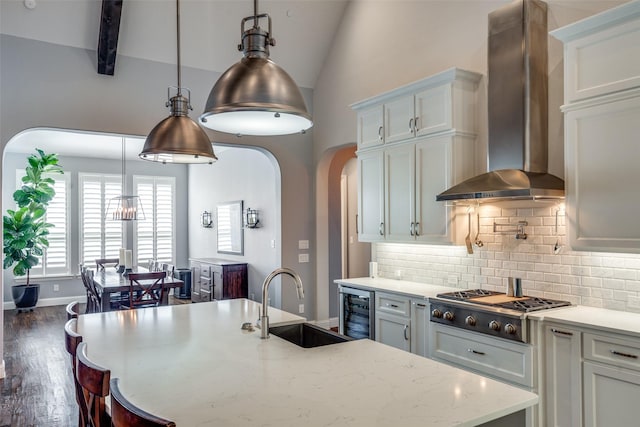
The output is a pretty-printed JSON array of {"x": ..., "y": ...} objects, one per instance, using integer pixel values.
[{"x": 517, "y": 107}]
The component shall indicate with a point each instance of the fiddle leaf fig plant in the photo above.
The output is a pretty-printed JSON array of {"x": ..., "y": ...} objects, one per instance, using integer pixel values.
[{"x": 25, "y": 229}]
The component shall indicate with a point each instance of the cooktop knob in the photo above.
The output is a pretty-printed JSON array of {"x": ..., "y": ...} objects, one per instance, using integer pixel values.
[
  {"x": 448, "y": 315},
  {"x": 495, "y": 325},
  {"x": 470, "y": 321},
  {"x": 510, "y": 329},
  {"x": 436, "y": 313}
]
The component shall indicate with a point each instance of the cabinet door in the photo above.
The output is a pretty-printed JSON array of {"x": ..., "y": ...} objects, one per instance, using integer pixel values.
[
  {"x": 235, "y": 282},
  {"x": 217, "y": 282},
  {"x": 611, "y": 396},
  {"x": 399, "y": 119},
  {"x": 399, "y": 192},
  {"x": 370, "y": 128},
  {"x": 433, "y": 172},
  {"x": 195, "y": 282},
  {"x": 370, "y": 196},
  {"x": 563, "y": 377},
  {"x": 393, "y": 330},
  {"x": 419, "y": 327},
  {"x": 433, "y": 110},
  {"x": 602, "y": 175}
]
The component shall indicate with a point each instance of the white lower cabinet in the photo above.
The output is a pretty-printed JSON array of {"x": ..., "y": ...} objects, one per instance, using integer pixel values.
[
  {"x": 592, "y": 377},
  {"x": 563, "y": 376},
  {"x": 393, "y": 320}
]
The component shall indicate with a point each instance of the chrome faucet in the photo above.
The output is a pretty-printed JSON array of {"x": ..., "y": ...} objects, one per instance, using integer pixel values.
[{"x": 264, "y": 318}]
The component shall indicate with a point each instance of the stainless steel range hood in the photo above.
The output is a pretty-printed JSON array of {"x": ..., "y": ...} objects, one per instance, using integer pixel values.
[{"x": 517, "y": 107}]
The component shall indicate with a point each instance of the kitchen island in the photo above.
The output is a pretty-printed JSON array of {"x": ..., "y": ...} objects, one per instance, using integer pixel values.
[{"x": 194, "y": 364}]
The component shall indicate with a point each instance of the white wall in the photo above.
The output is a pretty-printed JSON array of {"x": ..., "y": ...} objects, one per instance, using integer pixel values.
[{"x": 240, "y": 174}]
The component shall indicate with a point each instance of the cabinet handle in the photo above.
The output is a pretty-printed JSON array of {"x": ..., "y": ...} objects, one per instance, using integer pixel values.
[
  {"x": 416, "y": 227},
  {"x": 470, "y": 350},
  {"x": 357, "y": 232},
  {"x": 630, "y": 356},
  {"x": 380, "y": 133},
  {"x": 405, "y": 332},
  {"x": 411, "y": 124},
  {"x": 419, "y": 304},
  {"x": 558, "y": 331},
  {"x": 380, "y": 229},
  {"x": 415, "y": 124},
  {"x": 411, "y": 229},
  {"x": 392, "y": 305}
]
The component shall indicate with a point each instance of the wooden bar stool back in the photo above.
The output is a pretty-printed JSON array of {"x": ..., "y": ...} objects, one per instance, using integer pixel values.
[
  {"x": 71, "y": 340},
  {"x": 94, "y": 381},
  {"x": 126, "y": 414},
  {"x": 73, "y": 310}
]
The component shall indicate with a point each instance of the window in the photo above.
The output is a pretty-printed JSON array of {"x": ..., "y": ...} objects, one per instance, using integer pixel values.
[
  {"x": 56, "y": 259},
  {"x": 155, "y": 237},
  {"x": 98, "y": 238}
]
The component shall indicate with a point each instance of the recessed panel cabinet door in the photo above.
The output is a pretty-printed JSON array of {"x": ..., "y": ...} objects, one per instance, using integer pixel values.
[
  {"x": 370, "y": 196},
  {"x": 399, "y": 163},
  {"x": 602, "y": 149},
  {"x": 433, "y": 110},
  {"x": 393, "y": 330},
  {"x": 370, "y": 128},
  {"x": 399, "y": 119},
  {"x": 611, "y": 396},
  {"x": 433, "y": 163}
]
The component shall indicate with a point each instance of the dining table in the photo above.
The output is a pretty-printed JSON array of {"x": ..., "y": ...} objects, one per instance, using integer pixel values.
[{"x": 109, "y": 281}]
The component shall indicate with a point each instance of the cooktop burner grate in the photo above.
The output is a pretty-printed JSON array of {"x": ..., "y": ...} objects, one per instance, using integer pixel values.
[
  {"x": 533, "y": 304},
  {"x": 467, "y": 294}
]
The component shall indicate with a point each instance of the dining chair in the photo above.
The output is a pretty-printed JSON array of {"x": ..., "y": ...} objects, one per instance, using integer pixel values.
[
  {"x": 151, "y": 266},
  {"x": 71, "y": 340},
  {"x": 101, "y": 263},
  {"x": 94, "y": 298},
  {"x": 146, "y": 290},
  {"x": 73, "y": 310},
  {"x": 126, "y": 414},
  {"x": 94, "y": 384}
]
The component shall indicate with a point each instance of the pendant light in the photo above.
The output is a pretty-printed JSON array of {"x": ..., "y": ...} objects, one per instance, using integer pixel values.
[
  {"x": 124, "y": 208},
  {"x": 255, "y": 96},
  {"x": 178, "y": 139}
]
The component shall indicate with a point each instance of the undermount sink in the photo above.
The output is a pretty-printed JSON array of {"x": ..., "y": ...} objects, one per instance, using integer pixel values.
[{"x": 307, "y": 335}]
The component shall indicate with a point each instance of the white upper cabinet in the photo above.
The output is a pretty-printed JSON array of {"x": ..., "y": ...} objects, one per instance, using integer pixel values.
[
  {"x": 602, "y": 124},
  {"x": 427, "y": 145}
]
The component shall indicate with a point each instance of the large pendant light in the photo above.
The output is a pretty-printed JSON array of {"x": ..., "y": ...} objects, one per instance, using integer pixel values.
[
  {"x": 123, "y": 207},
  {"x": 178, "y": 139},
  {"x": 255, "y": 96}
]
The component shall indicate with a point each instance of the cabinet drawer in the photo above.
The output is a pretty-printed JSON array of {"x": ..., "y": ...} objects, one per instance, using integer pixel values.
[
  {"x": 205, "y": 271},
  {"x": 490, "y": 356},
  {"x": 615, "y": 351},
  {"x": 394, "y": 304}
]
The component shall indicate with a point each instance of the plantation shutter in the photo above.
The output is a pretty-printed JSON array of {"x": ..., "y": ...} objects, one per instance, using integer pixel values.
[
  {"x": 155, "y": 237},
  {"x": 98, "y": 238}
]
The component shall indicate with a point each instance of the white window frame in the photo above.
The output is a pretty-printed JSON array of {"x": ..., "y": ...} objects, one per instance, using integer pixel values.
[
  {"x": 101, "y": 178},
  {"x": 151, "y": 214},
  {"x": 41, "y": 270}
]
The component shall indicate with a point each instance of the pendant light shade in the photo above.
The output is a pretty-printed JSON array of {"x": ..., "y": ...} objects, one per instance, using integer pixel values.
[
  {"x": 178, "y": 139},
  {"x": 255, "y": 96}
]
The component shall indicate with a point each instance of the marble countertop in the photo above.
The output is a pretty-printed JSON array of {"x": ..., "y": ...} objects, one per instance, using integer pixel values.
[
  {"x": 210, "y": 372},
  {"x": 404, "y": 287},
  {"x": 593, "y": 317}
]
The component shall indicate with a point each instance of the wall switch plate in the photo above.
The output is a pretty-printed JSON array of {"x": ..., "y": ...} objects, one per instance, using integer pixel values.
[
  {"x": 303, "y": 244},
  {"x": 252, "y": 296},
  {"x": 273, "y": 243},
  {"x": 300, "y": 308},
  {"x": 303, "y": 258},
  {"x": 56, "y": 287}
]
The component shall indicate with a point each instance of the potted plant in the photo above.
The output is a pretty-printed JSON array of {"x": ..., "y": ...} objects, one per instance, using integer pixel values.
[{"x": 25, "y": 229}]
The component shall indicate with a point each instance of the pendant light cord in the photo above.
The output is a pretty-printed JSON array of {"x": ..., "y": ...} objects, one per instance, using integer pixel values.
[
  {"x": 124, "y": 164},
  {"x": 255, "y": 13},
  {"x": 178, "y": 42}
]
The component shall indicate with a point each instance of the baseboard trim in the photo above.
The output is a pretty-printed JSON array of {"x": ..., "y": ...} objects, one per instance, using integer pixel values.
[
  {"x": 3, "y": 373},
  {"x": 48, "y": 302}
]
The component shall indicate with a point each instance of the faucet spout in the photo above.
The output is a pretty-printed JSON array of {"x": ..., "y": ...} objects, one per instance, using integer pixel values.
[{"x": 264, "y": 317}]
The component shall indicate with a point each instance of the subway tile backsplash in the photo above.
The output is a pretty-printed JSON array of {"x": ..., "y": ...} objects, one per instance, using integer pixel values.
[{"x": 598, "y": 279}]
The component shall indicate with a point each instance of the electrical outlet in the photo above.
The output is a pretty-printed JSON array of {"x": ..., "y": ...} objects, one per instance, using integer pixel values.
[
  {"x": 252, "y": 296},
  {"x": 56, "y": 287},
  {"x": 303, "y": 244},
  {"x": 303, "y": 258},
  {"x": 301, "y": 308}
]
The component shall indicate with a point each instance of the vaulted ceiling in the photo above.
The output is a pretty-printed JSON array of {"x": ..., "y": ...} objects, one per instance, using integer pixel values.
[{"x": 210, "y": 29}]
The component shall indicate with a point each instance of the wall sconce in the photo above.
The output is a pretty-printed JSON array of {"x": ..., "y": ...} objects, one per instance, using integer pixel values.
[
  {"x": 251, "y": 219},
  {"x": 205, "y": 220}
]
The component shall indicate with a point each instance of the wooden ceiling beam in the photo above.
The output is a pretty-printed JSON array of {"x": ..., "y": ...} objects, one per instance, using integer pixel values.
[{"x": 108, "y": 37}]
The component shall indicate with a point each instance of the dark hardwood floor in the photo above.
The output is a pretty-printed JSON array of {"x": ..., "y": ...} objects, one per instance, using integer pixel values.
[{"x": 38, "y": 388}]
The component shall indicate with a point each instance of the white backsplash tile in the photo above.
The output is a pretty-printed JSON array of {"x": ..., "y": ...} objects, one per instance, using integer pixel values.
[{"x": 608, "y": 280}]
